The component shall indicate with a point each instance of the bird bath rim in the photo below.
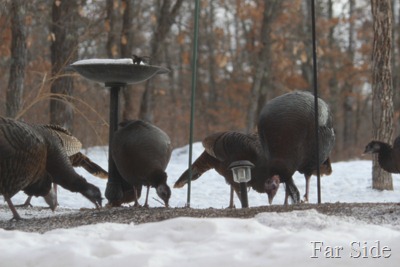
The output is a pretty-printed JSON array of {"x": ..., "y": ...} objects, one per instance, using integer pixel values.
[{"x": 119, "y": 74}]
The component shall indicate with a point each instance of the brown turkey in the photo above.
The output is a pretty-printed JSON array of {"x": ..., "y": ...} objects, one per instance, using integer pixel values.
[
  {"x": 77, "y": 160},
  {"x": 221, "y": 149},
  {"x": 388, "y": 156},
  {"x": 141, "y": 152},
  {"x": 33, "y": 156},
  {"x": 286, "y": 128}
]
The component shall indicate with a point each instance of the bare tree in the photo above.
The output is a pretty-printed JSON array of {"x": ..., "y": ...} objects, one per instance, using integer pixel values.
[
  {"x": 263, "y": 65},
  {"x": 395, "y": 59},
  {"x": 111, "y": 22},
  {"x": 126, "y": 52},
  {"x": 64, "y": 32},
  {"x": 382, "y": 92},
  {"x": 165, "y": 17},
  {"x": 15, "y": 87},
  {"x": 349, "y": 99}
]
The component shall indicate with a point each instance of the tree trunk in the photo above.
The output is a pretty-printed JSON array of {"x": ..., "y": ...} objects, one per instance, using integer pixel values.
[
  {"x": 382, "y": 102},
  {"x": 395, "y": 60},
  {"x": 126, "y": 52},
  {"x": 15, "y": 87},
  {"x": 210, "y": 43},
  {"x": 262, "y": 71},
  {"x": 349, "y": 100},
  {"x": 306, "y": 32},
  {"x": 64, "y": 49},
  {"x": 333, "y": 83},
  {"x": 112, "y": 8},
  {"x": 165, "y": 19}
]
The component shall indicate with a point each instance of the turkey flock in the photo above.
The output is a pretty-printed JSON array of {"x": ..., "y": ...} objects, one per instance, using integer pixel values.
[{"x": 36, "y": 158}]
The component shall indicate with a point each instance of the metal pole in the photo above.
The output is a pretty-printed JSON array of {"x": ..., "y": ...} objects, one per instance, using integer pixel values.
[
  {"x": 243, "y": 195},
  {"x": 315, "y": 68},
  {"x": 193, "y": 96},
  {"x": 113, "y": 189}
]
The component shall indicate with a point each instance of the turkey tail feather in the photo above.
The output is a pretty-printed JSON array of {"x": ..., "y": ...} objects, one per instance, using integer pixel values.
[
  {"x": 80, "y": 160},
  {"x": 202, "y": 164}
]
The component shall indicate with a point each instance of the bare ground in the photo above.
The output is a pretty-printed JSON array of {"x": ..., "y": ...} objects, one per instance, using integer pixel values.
[{"x": 40, "y": 220}]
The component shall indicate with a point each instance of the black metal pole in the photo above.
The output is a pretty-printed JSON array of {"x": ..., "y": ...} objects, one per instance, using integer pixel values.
[
  {"x": 243, "y": 195},
  {"x": 113, "y": 189},
  {"x": 193, "y": 95},
  {"x": 315, "y": 68}
]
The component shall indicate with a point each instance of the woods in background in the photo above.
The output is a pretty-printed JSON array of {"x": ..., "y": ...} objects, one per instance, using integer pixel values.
[{"x": 249, "y": 52}]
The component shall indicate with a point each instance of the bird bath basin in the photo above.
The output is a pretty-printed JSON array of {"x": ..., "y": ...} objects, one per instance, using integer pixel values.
[
  {"x": 115, "y": 74},
  {"x": 111, "y": 71}
]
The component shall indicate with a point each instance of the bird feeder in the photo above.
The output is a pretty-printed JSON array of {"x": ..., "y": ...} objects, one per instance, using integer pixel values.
[{"x": 241, "y": 171}]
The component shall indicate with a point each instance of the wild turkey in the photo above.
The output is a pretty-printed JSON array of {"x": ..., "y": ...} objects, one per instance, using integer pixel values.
[
  {"x": 77, "y": 160},
  {"x": 223, "y": 148},
  {"x": 33, "y": 155},
  {"x": 141, "y": 152},
  {"x": 388, "y": 156},
  {"x": 286, "y": 128}
]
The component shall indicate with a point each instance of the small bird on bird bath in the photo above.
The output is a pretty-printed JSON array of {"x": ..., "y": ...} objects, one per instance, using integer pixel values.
[{"x": 139, "y": 59}]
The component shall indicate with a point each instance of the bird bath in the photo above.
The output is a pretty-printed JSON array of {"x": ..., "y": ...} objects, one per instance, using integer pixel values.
[{"x": 115, "y": 74}]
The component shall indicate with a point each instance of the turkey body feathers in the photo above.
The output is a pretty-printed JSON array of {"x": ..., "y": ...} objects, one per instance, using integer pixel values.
[
  {"x": 141, "y": 152},
  {"x": 22, "y": 158},
  {"x": 232, "y": 146},
  {"x": 223, "y": 148},
  {"x": 33, "y": 155},
  {"x": 287, "y": 132},
  {"x": 388, "y": 156},
  {"x": 43, "y": 187}
]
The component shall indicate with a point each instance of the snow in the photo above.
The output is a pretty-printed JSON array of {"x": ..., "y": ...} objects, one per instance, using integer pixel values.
[
  {"x": 103, "y": 61},
  {"x": 269, "y": 239}
]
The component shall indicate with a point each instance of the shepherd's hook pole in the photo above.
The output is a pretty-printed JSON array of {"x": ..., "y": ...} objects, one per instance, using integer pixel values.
[
  {"x": 315, "y": 68},
  {"x": 192, "y": 100}
]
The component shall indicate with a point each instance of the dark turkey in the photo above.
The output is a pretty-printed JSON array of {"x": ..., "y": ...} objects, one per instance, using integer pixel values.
[
  {"x": 141, "y": 152},
  {"x": 223, "y": 148},
  {"x": 77, "y": 160},
  {"x": 388, "y": 156},
  {"x": 33, "y": 155},
  {"x": 286, "y": 128}
]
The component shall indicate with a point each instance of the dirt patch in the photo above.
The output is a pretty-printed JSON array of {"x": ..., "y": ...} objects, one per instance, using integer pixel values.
[{"x": 36, "y": 221}]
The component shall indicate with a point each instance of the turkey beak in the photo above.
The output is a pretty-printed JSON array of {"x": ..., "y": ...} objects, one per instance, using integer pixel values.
[
  {"x": 366, "y": 151},
  {"x": 270, "y": 198},
  {"x": 271, "y": 187},
  {"x": 51, "y": 198},
  {"x": 98, "y": 204}
]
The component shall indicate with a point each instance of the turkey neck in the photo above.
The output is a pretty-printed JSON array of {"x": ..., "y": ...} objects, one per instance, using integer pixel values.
[{"x": 59, "y": 166}]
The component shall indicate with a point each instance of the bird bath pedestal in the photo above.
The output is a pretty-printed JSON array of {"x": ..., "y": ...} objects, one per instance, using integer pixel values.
[{"x": 115, "y": 74}]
